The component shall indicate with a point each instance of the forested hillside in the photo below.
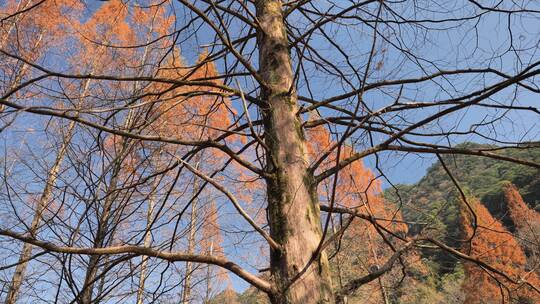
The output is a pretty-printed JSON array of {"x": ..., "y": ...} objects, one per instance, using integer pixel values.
[
  {"x": 430, "y": 200},
  {"x": 432, "y": 207}
]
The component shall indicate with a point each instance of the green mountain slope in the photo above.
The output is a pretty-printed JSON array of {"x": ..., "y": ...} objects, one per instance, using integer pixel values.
[
  {"x": 430, "y": 200},
  {"x": 433, "y": 204}
]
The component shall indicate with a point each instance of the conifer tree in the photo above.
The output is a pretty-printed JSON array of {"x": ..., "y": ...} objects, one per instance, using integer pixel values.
[
  {"x": 491, "y": 243},
  {"x": 526, "y": 224}
]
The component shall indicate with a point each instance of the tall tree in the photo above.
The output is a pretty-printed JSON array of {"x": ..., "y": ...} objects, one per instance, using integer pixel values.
[
  {"x": 378, "y": 76},
  {"x": 34, "y": 44}
]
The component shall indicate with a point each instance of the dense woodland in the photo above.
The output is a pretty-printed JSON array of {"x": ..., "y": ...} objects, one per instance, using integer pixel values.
[{"x": 246, "y": 151}]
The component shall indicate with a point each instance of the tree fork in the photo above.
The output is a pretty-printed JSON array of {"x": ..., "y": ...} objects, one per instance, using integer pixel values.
[{"x": 293, "y": 208}]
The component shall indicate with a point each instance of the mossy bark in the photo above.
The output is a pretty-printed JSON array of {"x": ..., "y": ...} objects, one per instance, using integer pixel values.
[{"x": 293, "y": 209}]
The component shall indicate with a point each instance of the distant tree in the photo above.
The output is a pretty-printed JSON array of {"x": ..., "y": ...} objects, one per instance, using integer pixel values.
[
  {"x": 358, "y": 189},
  {"x": 212, "y": 244},
  {"x": 526, "y": 224},
  {"x": 487, "y": 240}
]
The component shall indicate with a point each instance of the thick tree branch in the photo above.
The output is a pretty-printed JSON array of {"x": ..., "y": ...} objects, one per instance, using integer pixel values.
[{"x": 146, "y": 251}]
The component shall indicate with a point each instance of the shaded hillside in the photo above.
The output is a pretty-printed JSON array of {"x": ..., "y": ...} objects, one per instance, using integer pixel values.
[
  {"x": 429, "y": 201},
  {"x": 432, "y": 203}
]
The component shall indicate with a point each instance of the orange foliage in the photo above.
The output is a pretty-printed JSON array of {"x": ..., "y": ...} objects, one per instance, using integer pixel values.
[
  {"x": 30, "y": 34},
  {"x": 108, "y": 25},
  {"x": 358, "y": 188},
  {"x": 494, "y": 245},
  {"x": 525, "y": 219},
  {"x": 356, "y": 184},
  {"x": 192, "y": 112},
  {"x": 51, "y": 19}
]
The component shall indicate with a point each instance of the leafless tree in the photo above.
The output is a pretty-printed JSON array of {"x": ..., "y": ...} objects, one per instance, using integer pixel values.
[{"x": 385, "y": 78}]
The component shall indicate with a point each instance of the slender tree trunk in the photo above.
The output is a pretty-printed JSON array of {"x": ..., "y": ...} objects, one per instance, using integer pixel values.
[
  {"x": 45, "y": 197},
  {"x": 337, "y": 260},
  {"x": 104, "y": 235},
  {"x": 4, "y": 39},
  {"x": 107, "y": 258},
  {"x": 293, "y": 208},
  {"x": 371, "y": 243},
  {"x": 186, "y": 294},
  {"x": 147, "y": 239},
  {"x": 104, "y": 221},
  {"x": 208, "y": 293},
  {"x": 26, "y": 252},
  {"x": 20, "y": 6},
  {"x": 101, "y": 233}
]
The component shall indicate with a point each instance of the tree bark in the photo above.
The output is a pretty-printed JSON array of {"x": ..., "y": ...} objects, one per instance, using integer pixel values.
[{"x": 293, "y": 211}]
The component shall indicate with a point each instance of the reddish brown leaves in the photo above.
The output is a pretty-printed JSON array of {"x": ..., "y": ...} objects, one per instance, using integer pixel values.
[{"x": 494, "y": 245}]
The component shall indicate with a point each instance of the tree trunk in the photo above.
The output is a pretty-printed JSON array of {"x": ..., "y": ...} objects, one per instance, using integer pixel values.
[
  {"x": 337, "y": 261},
  {"x": 186, "y": 294},
  {"x": 147, "y": 240},
  {"x": 26, "y": 252},
  {"x": 372, "y": 245},
  {"x": 5, "y": 38},
  {"x": 104, "y": 220},
  {"x": 293, "y": 208},
  {"x": 101, "y": 234}
]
